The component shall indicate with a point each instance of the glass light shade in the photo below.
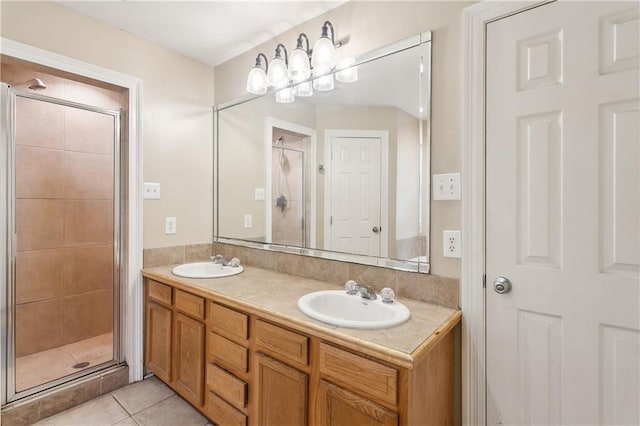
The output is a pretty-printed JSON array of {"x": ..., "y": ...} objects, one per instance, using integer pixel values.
[
  {"x": 257, "y": 81},
  {"x": 303, "y": 89},
  {"x": 285, "y": 96},
  {"x": 299, "y": 67},
  {"x": 323, "y": 84},
  {"x": 323, "y": 58},
  {"x": 348, "y": 71},
  {"x": 277, "y": 75}
]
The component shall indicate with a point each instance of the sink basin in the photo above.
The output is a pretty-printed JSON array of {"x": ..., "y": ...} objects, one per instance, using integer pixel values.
[
  {"x": 205, "y": 270},
  {"x": 336, "y": 307}
]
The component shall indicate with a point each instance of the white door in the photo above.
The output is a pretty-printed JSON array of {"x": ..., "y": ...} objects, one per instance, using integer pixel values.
[
  {"x": 563, "y": 215},
  {"x": 355, "y": 195}
]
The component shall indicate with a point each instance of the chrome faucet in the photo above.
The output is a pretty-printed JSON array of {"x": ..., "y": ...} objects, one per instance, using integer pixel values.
[
  {"x": 367, "y": 292},
  {"x": 220, "y": 259}
]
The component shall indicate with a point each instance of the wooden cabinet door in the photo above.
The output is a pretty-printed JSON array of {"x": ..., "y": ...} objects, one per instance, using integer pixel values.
[
  {"x": 189, "y": 359},
  {"x": 158, "y": 341},
  {"x": 282, "y": 393},
  {"x": 339, "y": 407}
]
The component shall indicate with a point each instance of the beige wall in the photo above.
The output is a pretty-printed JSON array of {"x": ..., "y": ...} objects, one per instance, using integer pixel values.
[
  {"x": 177, "y": 100},
  {"x": 372, "y": 24}
]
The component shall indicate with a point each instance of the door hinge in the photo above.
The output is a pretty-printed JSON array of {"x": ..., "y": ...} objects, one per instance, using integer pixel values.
[
  {"x": 330, "y": 220},
  {"x": 484, "y": 281}
]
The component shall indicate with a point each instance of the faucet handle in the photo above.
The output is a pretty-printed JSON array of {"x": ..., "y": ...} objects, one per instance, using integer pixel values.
[
  {"x": 351, "y": 286},
  {"x": 387, "y": 295},
  {"x": 234, "y": 263},
  {"x": 218, "y": 258}
]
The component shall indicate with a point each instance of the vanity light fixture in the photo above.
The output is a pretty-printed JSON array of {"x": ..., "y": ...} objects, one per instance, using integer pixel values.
[
  {"x": 324, "y": 83},
  {"x": 278, "y": 74},
  {"x": 257, "y": 79},
  {"x": 347, "y": 71},
  {"x": 300, "y": 68}
]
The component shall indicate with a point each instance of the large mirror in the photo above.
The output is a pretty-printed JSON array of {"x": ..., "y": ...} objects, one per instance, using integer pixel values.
[{"x": 341, "y": 174}]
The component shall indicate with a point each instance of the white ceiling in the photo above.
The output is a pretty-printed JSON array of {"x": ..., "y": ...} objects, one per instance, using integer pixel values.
[{"x": 207, "y": 31}]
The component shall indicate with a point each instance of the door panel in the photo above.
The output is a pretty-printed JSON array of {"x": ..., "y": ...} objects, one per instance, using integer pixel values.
[
  {"x": 355, "y": 200},
  {"x": 563, "y": 215}
]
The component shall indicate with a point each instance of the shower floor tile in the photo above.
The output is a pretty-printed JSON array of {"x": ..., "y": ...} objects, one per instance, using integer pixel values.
[{"x": 42, "y": 367}]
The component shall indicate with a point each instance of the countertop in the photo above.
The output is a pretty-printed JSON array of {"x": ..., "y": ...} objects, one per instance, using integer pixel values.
[{"x": 274, "y": 296}]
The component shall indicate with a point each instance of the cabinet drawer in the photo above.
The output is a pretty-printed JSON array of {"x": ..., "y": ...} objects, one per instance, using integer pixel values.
[
  {"x": 159, "y": 292},
  {"x": 228, "y": 386},
  {"x": 229, "y": 323},
  {"x": 223, "y": 413},
  {"x": 358, "y": 373},
  {"x": 282, "y": 343},
  {"x": 190, "y": 304},
  {"x": 228, "y": 353}
]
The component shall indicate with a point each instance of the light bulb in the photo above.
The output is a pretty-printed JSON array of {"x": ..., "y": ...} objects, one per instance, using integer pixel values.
[
  {"x": 257, "y": 81},
  {"x": 277, "y": 75},
  {"x": 323, "y": 58},
  {"x": 299, "y": 67},
  {"x": 348, "y": 71},
  {"x": 285, "y": 96},
  {"x": 303, "y": 89},
  {"x": 324, "y": 84}
]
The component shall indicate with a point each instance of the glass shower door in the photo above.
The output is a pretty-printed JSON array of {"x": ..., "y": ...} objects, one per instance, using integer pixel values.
[{"x": 62, "y": 205}]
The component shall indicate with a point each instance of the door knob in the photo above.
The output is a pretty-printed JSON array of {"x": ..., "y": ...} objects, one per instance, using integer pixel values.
[
  {"x": 376, "y": 229},
  {"x": 502, "y": 285}
]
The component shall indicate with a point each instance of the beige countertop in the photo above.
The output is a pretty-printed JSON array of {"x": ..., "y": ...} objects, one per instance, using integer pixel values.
[{"x": 275, "y": 296}]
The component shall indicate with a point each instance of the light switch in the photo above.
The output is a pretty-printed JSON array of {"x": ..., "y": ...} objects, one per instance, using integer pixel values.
[
  {"x": 151, "y": 191},
  {"x": 446, "y": 186},
  {"x": 259, "y": 196}
]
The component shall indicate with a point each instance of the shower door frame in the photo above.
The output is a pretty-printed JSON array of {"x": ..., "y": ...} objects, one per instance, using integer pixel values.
[
  {"x": 310, "y": 221},
  {"x": 8, "y": 356}
]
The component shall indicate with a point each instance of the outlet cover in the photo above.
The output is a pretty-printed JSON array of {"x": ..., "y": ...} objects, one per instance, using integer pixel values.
[
  {"x": 170, "y": 225},
  {"x": 446, "y": 186},
  {"x": 451, "y": 244},
  {"x": 248, "y": 221}
]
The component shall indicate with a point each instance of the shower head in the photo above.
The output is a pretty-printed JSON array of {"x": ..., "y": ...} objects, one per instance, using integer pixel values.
[
  {"x": 279, "y": 140},
  {"x": 33, "y": 84}
]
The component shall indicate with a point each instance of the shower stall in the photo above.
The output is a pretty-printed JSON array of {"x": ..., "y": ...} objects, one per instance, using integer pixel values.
[
  {"x": 61, "y": 213},
  {"x": 290, "y": 192}
]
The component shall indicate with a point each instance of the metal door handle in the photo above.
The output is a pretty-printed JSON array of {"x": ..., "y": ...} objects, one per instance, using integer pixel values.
[
  {"x": 376, "y": 229},
  {"x": 502, "y": 285}
]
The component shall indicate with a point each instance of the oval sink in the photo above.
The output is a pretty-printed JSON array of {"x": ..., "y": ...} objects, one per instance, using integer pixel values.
[
  {"x": 336, "y": 307},
  {"x": 205, "y": 270}
]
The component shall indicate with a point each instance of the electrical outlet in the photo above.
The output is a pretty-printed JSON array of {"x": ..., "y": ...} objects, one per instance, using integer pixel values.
[
  {"x": 446, "y": 186},
  {"x": 248, "y": 221},
  {"x": 151, "y": 191},
  {"x": 170, "y": 225},
  {"x": 451, "y": 242}
]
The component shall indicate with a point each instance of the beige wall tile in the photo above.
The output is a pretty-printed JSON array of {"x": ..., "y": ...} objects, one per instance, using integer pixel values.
[
  {"x": 39, "y": 173},
  {"x": 39, "y": 224},
  {"x": 38, "y": 275},
  {"x": 88, "y": 176},
  {"x": 39, "y": 124},
  {"x": 114, "y": 380},
  {"x": 87, "y": 269},
  {"x": 21, "y": 415},
  {"x": 163, "y": 256},
  {"x": 69, "y": 397},
  {"x": 89, "y": 132},
  {"x": 38, "y": 326},
  {"x": 88, "y": 222},
  {"x": 87, "y": 315},
  {"x": 378, "y": 278}
]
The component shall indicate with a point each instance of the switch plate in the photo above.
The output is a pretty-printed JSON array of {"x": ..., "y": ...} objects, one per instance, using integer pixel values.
[
  {"x": 259, "y": 194},
  {"x": 170, "y": 225},
  {"x": 451, "y": 242},
  {"x": 446, "y": 186},
  {"x": 151, "y": 191},
  {"x": 248, "y": 221}
]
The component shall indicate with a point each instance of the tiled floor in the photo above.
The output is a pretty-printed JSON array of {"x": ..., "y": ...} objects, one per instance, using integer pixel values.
[
  {"x": 149, "y": 402},
  {"x": 45, "y": 366}
]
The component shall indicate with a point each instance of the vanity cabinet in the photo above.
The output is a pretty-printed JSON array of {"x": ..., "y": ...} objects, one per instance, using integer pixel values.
[{"x": 245, "y": 367}]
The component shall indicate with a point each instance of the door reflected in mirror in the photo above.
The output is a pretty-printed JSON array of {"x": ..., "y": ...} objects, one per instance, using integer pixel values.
[{"x": 341, "y": 174}]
